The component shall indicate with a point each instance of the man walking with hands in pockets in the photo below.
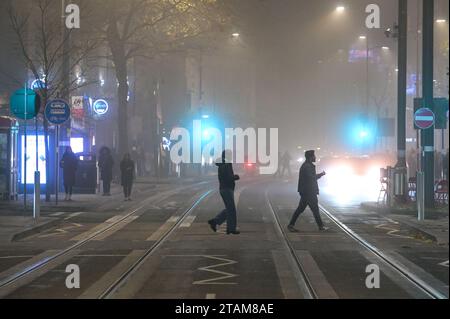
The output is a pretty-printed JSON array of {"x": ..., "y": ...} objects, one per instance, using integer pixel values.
[{"x": 308, "y": 189}]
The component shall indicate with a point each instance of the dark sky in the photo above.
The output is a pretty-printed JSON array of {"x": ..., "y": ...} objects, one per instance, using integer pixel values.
[{"x": 306, "y": 86}]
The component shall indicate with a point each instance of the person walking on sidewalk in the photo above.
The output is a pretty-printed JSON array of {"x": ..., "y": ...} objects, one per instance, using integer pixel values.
[
  {"x": 227, "y": 183},
  {"x": 308, "y": 189},
  {"x": 69, "y": 164},
  {"x": 127, "y": 175},
  {"x": 106, "y": 163}
]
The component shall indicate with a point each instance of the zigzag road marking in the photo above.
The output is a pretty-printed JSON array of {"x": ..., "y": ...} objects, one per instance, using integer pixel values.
[
  {"x": 392, "y": 231},
  {"x": 216, "y": 280},
  {"x": 444, "y": 264}
]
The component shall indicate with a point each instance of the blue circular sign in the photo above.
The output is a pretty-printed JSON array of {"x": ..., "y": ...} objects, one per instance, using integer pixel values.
[
  {"x": 38, "y": 85},
  {"x": 57, "y": 111},
  {"x": 100, "y": 107}
]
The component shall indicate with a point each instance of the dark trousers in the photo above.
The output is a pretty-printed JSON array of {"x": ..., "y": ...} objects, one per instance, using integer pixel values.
[
  {"x": 106, "y": 186},
  {"x": 313, "y": 203},
  {"x": 127, "y": 187},
  {"x": 229, "y": 213},
  {"x": 68, "y": 188}
]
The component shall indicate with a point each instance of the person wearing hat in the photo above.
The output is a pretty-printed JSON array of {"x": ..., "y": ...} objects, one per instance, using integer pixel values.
[{"x": 308, "y": 190}]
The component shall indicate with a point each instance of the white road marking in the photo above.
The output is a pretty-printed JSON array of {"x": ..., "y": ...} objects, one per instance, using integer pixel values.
[
  {"x": 222, "y": 274},
  {"x": 392, "y": 231},
  {"x": 210, "y": 296},
  {"x": 56, "y": 214},
  {"x": 321, "y": 285},
  {"x": 188, "y": 222},
  {"x": 115, "y": 228},
  {"x": 97, "y": 288},
  {"x": 73, "y": 215},
  {"x": 163, "y": 228},
  {"x": 445, "y": 264},
  {"x": 61, "y": 231},
  {"x": 12, "y": 257}
]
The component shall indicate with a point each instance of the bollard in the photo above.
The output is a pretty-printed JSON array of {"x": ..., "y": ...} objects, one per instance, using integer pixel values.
[{"x": 420, "y": 195}]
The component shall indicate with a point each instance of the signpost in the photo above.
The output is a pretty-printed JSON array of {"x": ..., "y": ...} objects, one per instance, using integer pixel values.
[
  {"x": 25, "y": 105},
  {"x": 57, "y": 112}
]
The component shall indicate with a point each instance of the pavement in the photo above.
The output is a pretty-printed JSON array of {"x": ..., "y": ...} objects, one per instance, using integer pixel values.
[
  {"x": 17, "y": 223},
  {"x": 435, "y": 227}
]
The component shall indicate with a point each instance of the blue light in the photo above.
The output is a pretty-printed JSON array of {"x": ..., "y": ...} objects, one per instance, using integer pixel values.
[
  {"x": 363, "y": 134},
  {"x": 206, "y": 134}
]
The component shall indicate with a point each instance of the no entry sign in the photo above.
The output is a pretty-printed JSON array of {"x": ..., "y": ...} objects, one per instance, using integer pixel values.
[{"x": 424, "y": 118}]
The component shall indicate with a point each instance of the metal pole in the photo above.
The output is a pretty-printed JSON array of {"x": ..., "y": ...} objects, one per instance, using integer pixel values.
[
  {"x": 418, "y": 156},
  {"x": 37, "y": 180},
  {"x": 25, "y": 151},
  {"x": 401, "y": 99},
  {"x": 420, "y": 192},
  {"x": 442, "y": 154},
  {"x": 56, "y": 164},
  {"x": 427, "y": 136}
]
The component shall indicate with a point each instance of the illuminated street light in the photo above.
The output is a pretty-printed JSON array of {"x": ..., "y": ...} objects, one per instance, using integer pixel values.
[
  {"x": 340, "y": 9},
  {"x": 363, "y": 134},
  {"x": 362, "y": 37},
  {"x": 441, "y": 21},
  {"x": 385, "y": 48},
  {"x": 236, "y": 35}
]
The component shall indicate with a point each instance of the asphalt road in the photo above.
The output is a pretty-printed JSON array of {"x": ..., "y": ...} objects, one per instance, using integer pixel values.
[{"x": 160, "y": 246}]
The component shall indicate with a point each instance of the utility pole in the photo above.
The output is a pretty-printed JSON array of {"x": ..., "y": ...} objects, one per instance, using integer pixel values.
[
  {"x": 401, "y": 99},
  {"x": 427, "y": 136}
]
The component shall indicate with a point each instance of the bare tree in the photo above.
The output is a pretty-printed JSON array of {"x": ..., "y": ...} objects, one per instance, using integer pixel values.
[
  {"x": 149, "y": 28},
  {"x": 39, "y": 40}
]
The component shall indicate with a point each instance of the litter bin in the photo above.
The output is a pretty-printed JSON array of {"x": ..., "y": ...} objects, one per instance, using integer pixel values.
[{"x": 86, "y": 175}]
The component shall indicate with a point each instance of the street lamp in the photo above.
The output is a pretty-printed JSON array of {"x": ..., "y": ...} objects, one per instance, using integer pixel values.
[
  {"x": 441, "y": 21},
  {"x": 340, "y": 9},
  {"x": 235, "y": 35}
]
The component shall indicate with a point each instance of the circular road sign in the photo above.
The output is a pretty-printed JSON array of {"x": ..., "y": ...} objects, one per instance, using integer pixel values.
[
  {"x": 100, "y": 107},
  {"x": 57, "y": 111},
  {"x": 424, "y": 118}
]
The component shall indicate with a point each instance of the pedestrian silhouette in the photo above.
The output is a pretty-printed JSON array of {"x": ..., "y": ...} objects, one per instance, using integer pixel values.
[
  {"x": 106, "y": 163},
  {"x": 227, "y": 183},
  {"x": 69, "y": 164},
  {"x": 286, "y": 164},
  {"x": 127, "y": 176},
  {"x": 308, "y": 190}
]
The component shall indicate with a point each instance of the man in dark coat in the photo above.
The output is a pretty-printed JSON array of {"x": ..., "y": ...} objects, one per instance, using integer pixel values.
[
  {"x": 69, "y": 164},
  {"x": 308, "y": 189},
  {"x": 227, "y": 183},
  {"x": 106, "y": 163}
]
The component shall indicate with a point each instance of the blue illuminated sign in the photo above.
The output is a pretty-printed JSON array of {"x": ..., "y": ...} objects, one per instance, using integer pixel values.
[{"x": 100, "y": 107}]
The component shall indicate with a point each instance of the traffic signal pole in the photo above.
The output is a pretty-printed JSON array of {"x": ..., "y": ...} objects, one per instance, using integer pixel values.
[
  {"x": 401, "y": 169},
  {"x": 427, "y": 136}
]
